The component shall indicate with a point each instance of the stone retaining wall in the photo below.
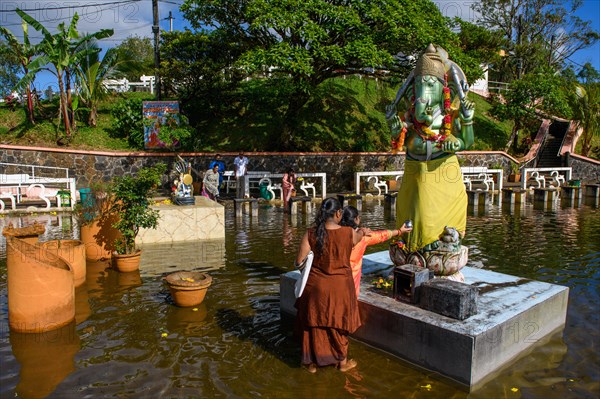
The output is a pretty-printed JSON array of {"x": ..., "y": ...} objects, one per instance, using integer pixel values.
[{"x": 89, "y": 166}]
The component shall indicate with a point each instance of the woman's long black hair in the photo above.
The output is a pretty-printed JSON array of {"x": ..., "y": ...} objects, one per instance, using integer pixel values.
[
  {"x": 328, "y": 208},
  {"x": 349, "y": 216}
]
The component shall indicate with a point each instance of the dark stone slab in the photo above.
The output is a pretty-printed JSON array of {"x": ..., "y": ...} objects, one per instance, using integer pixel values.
[
  {"x": 449, "y": 298},
  {"x": 407, "y": 282}
]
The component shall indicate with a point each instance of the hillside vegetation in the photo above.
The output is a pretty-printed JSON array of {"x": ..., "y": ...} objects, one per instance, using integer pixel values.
[{"x": 346, "y": 115}]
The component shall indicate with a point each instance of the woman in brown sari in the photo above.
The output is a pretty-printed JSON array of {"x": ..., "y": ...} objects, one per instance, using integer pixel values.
[{"x": 328, "y": 308}]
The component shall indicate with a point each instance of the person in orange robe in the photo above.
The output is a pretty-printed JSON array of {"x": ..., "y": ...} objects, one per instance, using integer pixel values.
[{"x": 351, "y": 218}]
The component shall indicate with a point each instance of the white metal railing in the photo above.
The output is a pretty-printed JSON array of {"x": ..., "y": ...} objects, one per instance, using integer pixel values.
[
  {"x": 396, "y": 174},
  {"x": 34, "y": 178},
  {"x": 540, "y": 175},
  {"x": 259, "y": 175}
]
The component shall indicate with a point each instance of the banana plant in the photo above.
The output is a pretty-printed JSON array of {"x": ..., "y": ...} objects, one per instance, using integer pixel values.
[
  {"x": 25, "y": 52},
  {"x": 91, "y": 73},
  {"x": 62, "y": 51}
]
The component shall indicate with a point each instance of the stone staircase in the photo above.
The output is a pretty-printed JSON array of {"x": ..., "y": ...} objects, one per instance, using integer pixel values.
[{"x": 549, "y": 155}]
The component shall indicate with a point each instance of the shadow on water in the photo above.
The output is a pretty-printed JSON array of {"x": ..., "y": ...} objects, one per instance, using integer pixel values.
[{"x": 278, "y": 341}]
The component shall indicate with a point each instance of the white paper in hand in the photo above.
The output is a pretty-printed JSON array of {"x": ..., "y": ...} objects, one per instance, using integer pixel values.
[{"x": 304, "y": 272}]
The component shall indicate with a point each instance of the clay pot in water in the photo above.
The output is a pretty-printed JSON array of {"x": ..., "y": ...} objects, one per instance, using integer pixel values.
[
  {"x": 30, "y": 234},
  {"x": 41, "y": 291},
  {"x": 188, "y": 288},
  {"x": 99, "y": 237},
  {"x": 127, "y": 262},
  {"x": 73, "y": 252}
]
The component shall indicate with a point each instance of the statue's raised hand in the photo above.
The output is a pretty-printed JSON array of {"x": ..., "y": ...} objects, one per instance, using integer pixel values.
[
  {"x": 393, "y": 120},
  {"x": 467, "y": 110}
]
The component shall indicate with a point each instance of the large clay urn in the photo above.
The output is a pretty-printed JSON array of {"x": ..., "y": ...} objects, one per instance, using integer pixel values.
[
  {"x": 126, "y": 263},
  {"x": 30, "y": 234},
  {"x": 41, "y": 290},
  {"x": 188, "y": 288},
  {"x": 73, "y": 252},
  {"x": 99, "y": 237}
]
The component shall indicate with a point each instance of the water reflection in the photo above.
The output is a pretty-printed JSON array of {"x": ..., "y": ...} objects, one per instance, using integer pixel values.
[
  {"x": 46, "y": 359},
  {"x": 135, "y": 343}
]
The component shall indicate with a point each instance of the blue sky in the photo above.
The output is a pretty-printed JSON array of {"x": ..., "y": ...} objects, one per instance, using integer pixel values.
[{"x": 129, "y": 18}]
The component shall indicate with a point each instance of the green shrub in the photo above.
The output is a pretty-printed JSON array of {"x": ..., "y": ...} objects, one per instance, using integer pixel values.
[{"x": 128, "y": 121}]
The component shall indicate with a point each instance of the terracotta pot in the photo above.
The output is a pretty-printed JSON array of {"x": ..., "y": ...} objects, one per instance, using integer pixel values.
[
  {"x": 188, "y": 288},
  {"x": 73, "y": 252},
  {"x": 127, "y": 262},
  {"x": 99, "y": 237},
  {"x": 41, "y": 291},
  {"x": 29, "y": 234},
  {"x": 514, "y": 178}
]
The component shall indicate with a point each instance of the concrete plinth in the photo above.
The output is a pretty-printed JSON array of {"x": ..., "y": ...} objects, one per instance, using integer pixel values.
[
  {"x": 544, "y": 194},
  {"x": 305, "y": 201},
  {"x": 240, "y": 203},
  {"x": 477, "y": 198},
  {"x": 513, "y": 314},
  {"x": 345, "y": 198},
  {"x": 570, "y": 196},
  {"x": 592, "y": 194},
  {"x": 514, "y": 196},
  {"x": 203, "y": 221}
]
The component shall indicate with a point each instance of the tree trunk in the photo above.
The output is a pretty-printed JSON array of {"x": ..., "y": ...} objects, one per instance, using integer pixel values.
[
  {"x": 93, "y": 118},
  {"x": 513, "y": 138},
  {"x": 290, "y": 120},
  {"x": 69, "y": 105},
  {"x": 63, "y": 106},
  {"x": 29, "y": 99},
  {"x": 30, "y": 106}
]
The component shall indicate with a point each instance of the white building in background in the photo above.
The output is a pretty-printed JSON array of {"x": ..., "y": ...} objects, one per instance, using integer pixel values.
[{"x": 481, "y": 86}]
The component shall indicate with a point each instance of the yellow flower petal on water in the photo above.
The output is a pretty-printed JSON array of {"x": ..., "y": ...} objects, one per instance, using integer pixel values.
[
  {"x": 195, "y": 309},
  {"x": 428, "y": 386},
  {"x": 514, "y": 389},
  {"x": 164, "y": 335}
]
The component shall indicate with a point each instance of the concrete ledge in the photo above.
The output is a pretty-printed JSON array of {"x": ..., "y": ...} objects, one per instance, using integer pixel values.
[
  {"x": 203, "y": 221},
  {"x": 513, "y": 315}
]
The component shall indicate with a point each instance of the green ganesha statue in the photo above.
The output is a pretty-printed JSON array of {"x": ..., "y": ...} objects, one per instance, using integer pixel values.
[{"x": 436, "y": 123}]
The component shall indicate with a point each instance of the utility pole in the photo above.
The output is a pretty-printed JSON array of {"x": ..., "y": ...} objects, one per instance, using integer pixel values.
[
  {"x": 170, "y": 18},
  {"x": 156, "y": 32},
  {"x": 519, "y": 53}
]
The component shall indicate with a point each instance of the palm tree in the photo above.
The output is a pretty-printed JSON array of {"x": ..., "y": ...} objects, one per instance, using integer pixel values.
[
  {"x": 25, "y": 52},
  {"x": 91, "y": 74},
  {"x": 586, "y": 109},
  {"x": 59, "y": 50}
]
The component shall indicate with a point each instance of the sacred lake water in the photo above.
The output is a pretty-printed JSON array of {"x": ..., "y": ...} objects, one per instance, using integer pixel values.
[{"x": 130, "y": 341}]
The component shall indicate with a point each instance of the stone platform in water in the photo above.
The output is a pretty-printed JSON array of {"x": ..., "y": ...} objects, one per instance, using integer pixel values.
[
  {"x": 513, "y": 315},
  {"x": 205, "y": 220}
]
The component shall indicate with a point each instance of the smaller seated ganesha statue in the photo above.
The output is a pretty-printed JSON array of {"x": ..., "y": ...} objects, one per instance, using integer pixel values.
[
  {"x": 183, "y": 190},
  {"x": 435, "y": 122}
]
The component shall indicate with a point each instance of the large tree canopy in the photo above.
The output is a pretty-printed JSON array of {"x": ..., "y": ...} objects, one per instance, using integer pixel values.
[
  {"x": 9, "y": 69},
  {"x": 536, "y": 32},
  {"x": 314, "y": 40}
]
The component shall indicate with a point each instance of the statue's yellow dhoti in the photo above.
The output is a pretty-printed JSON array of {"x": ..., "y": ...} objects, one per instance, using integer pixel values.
[{"x": 433, "y": 196}]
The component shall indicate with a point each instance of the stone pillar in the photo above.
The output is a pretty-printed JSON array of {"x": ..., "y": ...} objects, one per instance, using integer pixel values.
[
  {"x": 592, "y": 194},
  {"x": 345, "y": 199}
]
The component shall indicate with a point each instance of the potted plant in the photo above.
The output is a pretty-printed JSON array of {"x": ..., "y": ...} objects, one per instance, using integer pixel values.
[
  {"x": 96, "y": 220},
  {"x": 514, "y": 176},
  {"x": 132, "y": 203},
  {"x": 495, "y": 165},
  {"x": 390, "y": 166}
]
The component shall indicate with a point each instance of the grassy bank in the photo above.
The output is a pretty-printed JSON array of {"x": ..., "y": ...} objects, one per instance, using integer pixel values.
[{"x": 344, "y": 115}]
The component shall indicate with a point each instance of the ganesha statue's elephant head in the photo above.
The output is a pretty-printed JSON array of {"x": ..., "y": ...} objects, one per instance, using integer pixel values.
[{"x": 438, "y": 115}]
